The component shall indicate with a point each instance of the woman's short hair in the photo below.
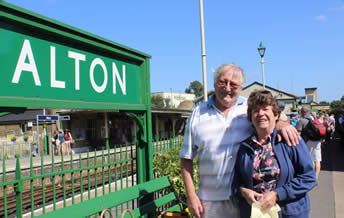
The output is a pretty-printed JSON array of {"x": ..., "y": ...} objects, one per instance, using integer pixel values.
[
  {"x": 235, "y": 69},
  {"x": 261, "y": 98}
]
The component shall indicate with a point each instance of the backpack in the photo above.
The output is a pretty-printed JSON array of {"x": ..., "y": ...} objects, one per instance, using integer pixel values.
[{"x": 314, "y": 130}]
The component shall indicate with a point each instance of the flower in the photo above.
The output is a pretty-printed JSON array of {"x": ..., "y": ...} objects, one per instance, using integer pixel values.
[{"x": 268, "y": 162}]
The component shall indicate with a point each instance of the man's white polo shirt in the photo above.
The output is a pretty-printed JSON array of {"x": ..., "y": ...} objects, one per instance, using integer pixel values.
[{"x": 215, "y": 139}]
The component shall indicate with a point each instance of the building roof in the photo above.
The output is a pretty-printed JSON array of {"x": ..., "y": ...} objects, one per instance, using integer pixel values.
[
  {"x": 186, "y": 105},
  {"x": 28, "y": 115},
  {"x": 276, "y": 90}
]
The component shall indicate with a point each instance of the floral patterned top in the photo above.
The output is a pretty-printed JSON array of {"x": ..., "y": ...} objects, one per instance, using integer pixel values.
[{"x": 266, "y": 170}]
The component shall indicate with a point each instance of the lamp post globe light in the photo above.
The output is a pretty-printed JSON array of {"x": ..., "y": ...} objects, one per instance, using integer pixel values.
[{"x": 261, "y": 51}]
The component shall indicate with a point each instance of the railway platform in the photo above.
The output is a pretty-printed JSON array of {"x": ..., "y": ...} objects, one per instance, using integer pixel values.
[{"x": 327, "y": 198}]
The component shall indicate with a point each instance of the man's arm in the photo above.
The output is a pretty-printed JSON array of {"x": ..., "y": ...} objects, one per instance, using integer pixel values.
[
  {"x": 288, "y": 132},
  {"x": 194, "y": 204}
]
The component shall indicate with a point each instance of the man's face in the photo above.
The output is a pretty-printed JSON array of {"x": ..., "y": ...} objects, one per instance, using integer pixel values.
[
  {"x": 303, "y": 113},
  {"x": 227, "y": 89}
]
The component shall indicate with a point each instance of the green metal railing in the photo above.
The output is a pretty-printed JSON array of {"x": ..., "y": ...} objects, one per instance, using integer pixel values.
[
  {"x": 34, "y": 186},
  {"x": 167, "y": 144}
]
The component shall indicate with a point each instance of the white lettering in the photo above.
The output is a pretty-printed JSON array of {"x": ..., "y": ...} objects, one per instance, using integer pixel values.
[
  {"x": 22, "y": 66},
  {"x": 115, "y": 74},
  {"x": 95, "y": 62},
  {"x": 78, "y": 57},
  {"x": 53, "y": 82}
]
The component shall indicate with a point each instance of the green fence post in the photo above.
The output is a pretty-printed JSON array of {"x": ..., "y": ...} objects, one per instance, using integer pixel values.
[
  {"x": 107, "y": 143},
  {"x": 4, "y": 188},
  {"x": 140, "y": 152},
  {"x": 45, "y": 139},
  {"x": 19, "y": 187}
]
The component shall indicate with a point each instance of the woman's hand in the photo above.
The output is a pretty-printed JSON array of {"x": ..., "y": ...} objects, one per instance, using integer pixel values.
[
  {"x": 268, "y": 200},
  {"x": 250, "y": 195},
  {"x": 195, "y": 206}
]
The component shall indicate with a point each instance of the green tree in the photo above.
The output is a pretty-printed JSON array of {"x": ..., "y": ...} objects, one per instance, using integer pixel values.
[
  {"x": 342, "y": 99},
  {"x": 196, "y": 88},
  {"x": 324, "y": 102},
  {"x": 157, "y": 101},
  {"x": 168, "y": 103},
  {"x": 335, "y": 104}
]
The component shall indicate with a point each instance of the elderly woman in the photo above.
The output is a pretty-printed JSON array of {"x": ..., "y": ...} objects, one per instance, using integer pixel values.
[{"x": 268, "y": 171}]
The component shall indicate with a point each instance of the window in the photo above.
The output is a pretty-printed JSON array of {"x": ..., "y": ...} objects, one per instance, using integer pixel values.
[{"x": 309, "y": 98}]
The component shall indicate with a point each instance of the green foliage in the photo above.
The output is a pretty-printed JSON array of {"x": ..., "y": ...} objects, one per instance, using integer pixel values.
[
  {"x": 158, "y": 101},
  {"x": 168, "y": 164},
  {"x": 324, "y": 103},
  {"x": 168, "y": 103},
  {"x": 335, "y": 105},
  {"x": 196, "y": 88}
]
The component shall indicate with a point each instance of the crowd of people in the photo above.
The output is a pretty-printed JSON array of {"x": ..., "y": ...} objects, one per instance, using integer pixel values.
[
  {"x": 62, "y": 141},
  {"x": 250, "y": 154}
]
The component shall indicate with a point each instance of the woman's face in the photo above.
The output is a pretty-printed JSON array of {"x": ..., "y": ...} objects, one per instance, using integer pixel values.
[{"x": 263, "y": 118}]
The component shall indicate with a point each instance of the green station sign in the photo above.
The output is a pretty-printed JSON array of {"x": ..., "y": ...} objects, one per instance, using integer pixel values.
[{"x": 49, "y": 63}]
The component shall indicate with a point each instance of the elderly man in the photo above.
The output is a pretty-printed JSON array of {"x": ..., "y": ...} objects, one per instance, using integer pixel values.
[{"x": 214, "y": 131}]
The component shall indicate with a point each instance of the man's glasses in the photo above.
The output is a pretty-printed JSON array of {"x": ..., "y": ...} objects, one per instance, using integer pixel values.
[{"x": 225, "y": 83}]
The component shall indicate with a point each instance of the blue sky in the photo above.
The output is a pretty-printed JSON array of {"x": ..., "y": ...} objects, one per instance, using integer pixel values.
[{"x": 304, "y": 39}]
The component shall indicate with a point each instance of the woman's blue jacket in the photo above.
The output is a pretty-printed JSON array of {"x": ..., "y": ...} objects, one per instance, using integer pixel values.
[{"x": 297, "y": 176}]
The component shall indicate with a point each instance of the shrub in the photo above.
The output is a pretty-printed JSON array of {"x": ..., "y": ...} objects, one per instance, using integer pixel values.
[{"x": 168, "y": 164}]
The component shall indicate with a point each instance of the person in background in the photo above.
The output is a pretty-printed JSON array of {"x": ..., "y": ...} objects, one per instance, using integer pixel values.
[
  {"x": 332, "y": 121},
  {"x": 283, "y": 116},
  {"x": 62, "y": 141},
  {"x": 57, "y": 142},
  {"x": 314, "y": 146},
  {"x": 293, "y": 120},
  {"x": 269, "y": 172},
  {"x": 328, "y": 128},
  {"x": 68, "y": 140},
  {"x": 332, "y": 125},
  {"x": 320, "y": 116},
  {"x": 213, "y": 132},
  {"x": 339, "y": 124}
]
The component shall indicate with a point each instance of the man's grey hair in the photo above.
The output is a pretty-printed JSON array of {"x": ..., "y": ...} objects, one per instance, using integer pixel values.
[
  {"x": 235, "y": 69},
  {"x": 305, "y": 109}
]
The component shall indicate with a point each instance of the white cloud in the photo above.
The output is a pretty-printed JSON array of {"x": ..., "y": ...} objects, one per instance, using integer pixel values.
[{"x": 321, "y": 18}]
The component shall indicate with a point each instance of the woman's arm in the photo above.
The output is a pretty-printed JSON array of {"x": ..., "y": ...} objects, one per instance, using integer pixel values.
[{"x": 304, "y": 177}]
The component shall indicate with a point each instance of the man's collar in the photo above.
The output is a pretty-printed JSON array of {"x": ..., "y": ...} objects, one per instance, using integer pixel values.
[{"x": 211, "y": 101}]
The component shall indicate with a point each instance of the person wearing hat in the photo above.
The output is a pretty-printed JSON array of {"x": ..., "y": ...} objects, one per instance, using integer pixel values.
[{"x": 283, "y": 116}]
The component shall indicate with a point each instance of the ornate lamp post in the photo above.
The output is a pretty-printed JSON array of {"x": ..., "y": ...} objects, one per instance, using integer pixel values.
[{"x": 261, "y": 50}]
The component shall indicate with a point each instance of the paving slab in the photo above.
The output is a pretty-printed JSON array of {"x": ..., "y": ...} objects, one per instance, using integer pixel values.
[
  {"x": 322, "y": 197},
  {"x": 327, "y": 199}
]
